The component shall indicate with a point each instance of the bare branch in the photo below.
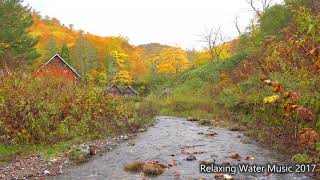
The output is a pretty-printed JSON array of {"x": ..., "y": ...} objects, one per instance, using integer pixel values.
[
  {"x": 236, "y": 23},
  {"x": 259, "y": 6},
  {"x": 251, "y": 2},
  {"x": 214, "y": 40}
]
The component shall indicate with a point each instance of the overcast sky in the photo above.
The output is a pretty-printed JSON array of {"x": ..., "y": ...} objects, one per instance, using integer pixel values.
[{"x": 172, "y": 22}]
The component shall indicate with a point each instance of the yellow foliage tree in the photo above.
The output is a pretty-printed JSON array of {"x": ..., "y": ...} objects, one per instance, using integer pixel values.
[
  {"x": 99, "y": 78},
  {"x": 172, "y": 60},
  {"x": 122, "y": 77},
  {"x": 120, "y": 58}
]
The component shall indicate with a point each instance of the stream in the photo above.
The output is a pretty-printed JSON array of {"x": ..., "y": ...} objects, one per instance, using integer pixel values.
[{"x": 169, "y": 141}]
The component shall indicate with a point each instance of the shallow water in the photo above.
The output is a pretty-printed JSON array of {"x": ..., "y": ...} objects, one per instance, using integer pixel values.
[{"x": 169, "y": 141}]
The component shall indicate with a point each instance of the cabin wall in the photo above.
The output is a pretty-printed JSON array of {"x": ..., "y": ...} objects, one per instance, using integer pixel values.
[{"x": 57, "y": 68}]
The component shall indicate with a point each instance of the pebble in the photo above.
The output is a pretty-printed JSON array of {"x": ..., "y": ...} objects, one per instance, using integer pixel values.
[
  {"x": 124, "y": 137},
  {"x": 60, "y": 170},
  {"x": 141, "y": 130}
]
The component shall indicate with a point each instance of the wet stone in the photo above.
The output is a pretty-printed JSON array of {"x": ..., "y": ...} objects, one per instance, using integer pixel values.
[{"x": 191, "y": 158}]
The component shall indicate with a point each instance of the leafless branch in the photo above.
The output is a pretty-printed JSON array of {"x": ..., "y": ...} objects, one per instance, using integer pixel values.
[
  {"x": 214, "y": 40},
  {"x": 259, "y": 6},
  {"x": 236, "y": 23}
]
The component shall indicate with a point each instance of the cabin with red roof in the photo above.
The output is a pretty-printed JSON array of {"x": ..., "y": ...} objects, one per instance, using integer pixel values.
[{"x": 58, "y": 67}]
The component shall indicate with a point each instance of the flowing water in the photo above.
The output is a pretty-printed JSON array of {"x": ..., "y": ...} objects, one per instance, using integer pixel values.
[{"x": 169, "y": 141}]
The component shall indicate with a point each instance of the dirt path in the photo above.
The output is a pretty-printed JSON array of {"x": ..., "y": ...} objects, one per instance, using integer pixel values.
[{"x": 170, "y": 141}]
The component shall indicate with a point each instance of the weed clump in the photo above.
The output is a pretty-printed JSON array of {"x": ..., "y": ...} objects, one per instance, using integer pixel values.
[
  {"x": 134, "y": 166},
  {"x": 148, "y": 168},
  {"x": 153, "y": 169}
]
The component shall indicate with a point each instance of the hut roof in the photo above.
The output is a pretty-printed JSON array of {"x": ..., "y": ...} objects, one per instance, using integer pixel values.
[
  {"x": 130, "y": 89},
  {"x": 77, "y": 75},
  {"x": 114, "y": 86}
]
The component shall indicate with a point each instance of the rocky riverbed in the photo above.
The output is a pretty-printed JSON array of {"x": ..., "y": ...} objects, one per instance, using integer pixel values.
[
  {"x": 36, "y": 167},
  {"x": 181, "y": 146}
]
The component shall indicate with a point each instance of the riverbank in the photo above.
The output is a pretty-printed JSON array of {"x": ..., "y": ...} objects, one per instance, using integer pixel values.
[{"x": 35, "y": 165}]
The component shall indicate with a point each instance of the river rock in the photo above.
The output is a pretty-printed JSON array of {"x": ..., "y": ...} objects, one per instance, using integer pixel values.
[
  {"x": 46, "y": 172},
  {"x": 79, "y": 153},
  {"x": 192, "y": 119},
  {"x": 141, "y": 130},
  {"x": 191, "y": 158},
  {"x": 124, "y": 137},
  {"x": 227, "y": 177},
  {"x": 234, "y": 128},
  {"x": 85, "y": 149},
  {"x": 93, "y": 149},
  {"x": 208, "y": 162},
  {"x": 205, "y": 121}
]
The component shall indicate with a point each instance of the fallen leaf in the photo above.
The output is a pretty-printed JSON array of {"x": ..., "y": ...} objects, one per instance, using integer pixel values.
[
  {"x": 236, "y": 157},
  {"x": 249, "y": 158},
  {"x": 227, "y": 177}
]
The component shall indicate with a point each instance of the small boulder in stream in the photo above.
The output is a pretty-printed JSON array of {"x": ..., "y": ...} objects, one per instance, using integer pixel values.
[
  {"x": 192, "y": 119},
  {"x": 79, "y": 153},
  {"x": 205, "y": 122},
  {"x": 191, "y": 158}
]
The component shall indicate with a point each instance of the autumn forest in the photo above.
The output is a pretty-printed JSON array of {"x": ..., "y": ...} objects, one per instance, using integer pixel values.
[{"x": 265, "y": 83}]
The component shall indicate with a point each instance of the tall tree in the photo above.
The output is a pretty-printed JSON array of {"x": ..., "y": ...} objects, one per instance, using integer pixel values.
[
  {"x": 64, "y": 53},
  {"x": 173, "y": 60},
  {"x": 112, "y": 67},
  {"x": 84, "y": 55},
  {"x": 16, "y": 44},
  {"x": 51, "y": 48}
]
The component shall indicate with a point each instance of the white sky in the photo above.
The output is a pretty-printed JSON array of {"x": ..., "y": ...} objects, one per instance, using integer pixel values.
[{"x": 172, "y": 22}]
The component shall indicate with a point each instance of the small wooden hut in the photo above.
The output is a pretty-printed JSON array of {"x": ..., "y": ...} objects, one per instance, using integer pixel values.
[
  {"x": 58, "y": 67},
  {"x": 165, "y": 93},
  {"x": 129, "y": 92},
  {"x": 114, "y": 90}
]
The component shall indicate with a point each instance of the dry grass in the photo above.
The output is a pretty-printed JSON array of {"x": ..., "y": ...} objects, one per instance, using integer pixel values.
[
  {"x": 153, "y": 169},
  {"x": 134, "y": 166},
  {"x": 148, "y": 168}
]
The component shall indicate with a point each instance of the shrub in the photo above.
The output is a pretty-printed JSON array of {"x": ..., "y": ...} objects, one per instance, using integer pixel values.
[
  {"x": 274, "y": 19},
  {"x": 48, "y": 110}
]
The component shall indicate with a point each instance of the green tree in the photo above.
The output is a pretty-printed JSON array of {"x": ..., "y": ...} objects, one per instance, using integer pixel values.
[
  {"x": 16, "y": 44},
  {"x": 84, "y": 56},
  {"x": 50, "y": 48},
  {"x": 112, "y": 67},
  {"x": 64, "y": 53}
]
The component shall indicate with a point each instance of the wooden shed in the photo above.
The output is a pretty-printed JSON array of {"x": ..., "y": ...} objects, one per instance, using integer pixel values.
[
  {"x": 165, "y": 93},
  {"x": 58, "y": 67},
  {"x": 114, "y": 90},
  {"x": 130, "y": 92}
]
